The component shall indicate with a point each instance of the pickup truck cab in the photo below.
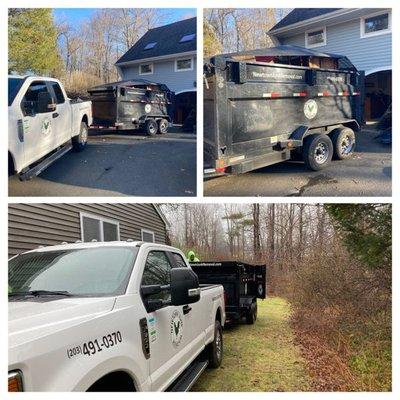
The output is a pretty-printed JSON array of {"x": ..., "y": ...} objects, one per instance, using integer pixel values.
[
  {"x": 114, "y": 316},
  {"x": 43, "y": 124}
]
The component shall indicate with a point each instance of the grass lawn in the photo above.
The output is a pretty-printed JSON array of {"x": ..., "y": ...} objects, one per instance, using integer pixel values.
[{"x": 259, "y": 357}]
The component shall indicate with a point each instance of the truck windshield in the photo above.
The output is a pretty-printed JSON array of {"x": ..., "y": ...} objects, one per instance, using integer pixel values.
[
  {"x": 100, "y": 271},
  {"x": 13, "y": 86}
]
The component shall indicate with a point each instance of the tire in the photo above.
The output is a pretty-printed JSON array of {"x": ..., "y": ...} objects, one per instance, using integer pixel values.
[
  {"x": 344, "y": 142},
  {"x": 215, "y": 348},
  {"x": 151, "y": 127},
  {"x": 79, "y": 142},
  {"x": 317, "y": 151},
  {"x": 163, "y": 126},
  {"x": 252, "y": 314},
  {"x": 11, "y": 168}
]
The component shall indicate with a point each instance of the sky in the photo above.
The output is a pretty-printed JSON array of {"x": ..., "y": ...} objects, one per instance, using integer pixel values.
[{"x": 77, "y": 15}]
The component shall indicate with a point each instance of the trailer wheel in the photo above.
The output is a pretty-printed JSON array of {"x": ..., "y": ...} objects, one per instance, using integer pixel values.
[
  {"x": 79, "y": 142},
  {"x": 215, "y": 348},
  {"x": 163, "y": 126},
  {"x": 252, "y": 314},
  {"x": 151, "y": 127},
  {"x": 317, "y": 151},
  {"x": 344, "y": 142}
]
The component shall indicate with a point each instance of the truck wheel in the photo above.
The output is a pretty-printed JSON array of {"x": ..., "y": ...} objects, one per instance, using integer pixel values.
[
  {"x": 317, "y": 151},
  {"x": 163, "y": 126},
  {"x": 344, "y": 142},
  {"x": 151, "y": 127},
  {"x": 215, "y": 348},
  {"x": 252, "y": 314},
  {"x": 79, "y": 142}
]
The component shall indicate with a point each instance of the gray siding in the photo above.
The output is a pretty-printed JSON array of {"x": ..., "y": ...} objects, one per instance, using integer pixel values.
[
  {"x": 164, "y": 72},
  {"x": 366, "y": 53},
  {"x": 32, "y": 225}
]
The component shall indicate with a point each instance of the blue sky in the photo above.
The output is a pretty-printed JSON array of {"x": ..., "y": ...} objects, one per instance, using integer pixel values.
[{"x": 77, "y": 15}]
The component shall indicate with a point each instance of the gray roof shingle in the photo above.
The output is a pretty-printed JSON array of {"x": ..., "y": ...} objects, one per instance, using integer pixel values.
[
  {"x": 167, "y": 39},
  {"x": 301, "y": 14}
]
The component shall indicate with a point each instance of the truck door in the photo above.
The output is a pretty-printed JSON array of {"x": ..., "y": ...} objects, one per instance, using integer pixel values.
[
  {"x": 38, "y": 129},
  {"x": 62, "y": 116},
  {"x": 168, "y": 333}
]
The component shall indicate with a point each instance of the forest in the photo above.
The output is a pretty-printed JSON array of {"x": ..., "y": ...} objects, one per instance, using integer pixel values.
[{"x": 331, "y": 262}]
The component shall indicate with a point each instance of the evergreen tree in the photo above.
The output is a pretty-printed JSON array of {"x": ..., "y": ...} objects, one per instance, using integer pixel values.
[{"x": 32, "y": 42}]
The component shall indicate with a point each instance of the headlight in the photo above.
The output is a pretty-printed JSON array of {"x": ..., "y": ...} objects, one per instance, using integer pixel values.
[{"x": 15, "y": 381}]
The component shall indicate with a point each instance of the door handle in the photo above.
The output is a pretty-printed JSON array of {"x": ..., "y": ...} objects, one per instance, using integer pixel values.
[
  {"x": 55, "y": 115},
  {"x": 186, "y": 309}
]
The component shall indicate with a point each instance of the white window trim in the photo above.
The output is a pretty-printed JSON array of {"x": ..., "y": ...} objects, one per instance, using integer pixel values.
[
  {"x": 310, "y": 46},
  {"x": 364, "y": 35},
  {"x": 147, "y": 231},
  {"x": 100, "y": 219},
  {"x": 146, "y": 73},
  {"x": 186, "y": 69}
]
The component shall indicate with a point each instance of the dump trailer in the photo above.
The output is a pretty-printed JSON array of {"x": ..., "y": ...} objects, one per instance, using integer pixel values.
[
  {"x": 126, "y": 105},
  {"x": 263, "y": 106},
  {"x": 243, "y": 284}
]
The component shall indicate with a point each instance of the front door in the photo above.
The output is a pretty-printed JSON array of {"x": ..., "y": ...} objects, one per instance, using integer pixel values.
[{"x": 38, "y": 127}]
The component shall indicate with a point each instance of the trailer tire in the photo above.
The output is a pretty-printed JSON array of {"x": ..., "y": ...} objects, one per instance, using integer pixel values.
[
  {"x": 215, "y": 348},
  {"x": 252, "y": 314},
  {"x": 344, "y": 142},
  {"x": 151, "y": 127},
  {"x": 79, "y": 141},
  {"x": 317, "y": 151},
  {"x": 163, "y": 126}
]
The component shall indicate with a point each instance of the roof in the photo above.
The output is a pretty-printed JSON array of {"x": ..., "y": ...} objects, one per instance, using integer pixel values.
[
  {"x": 301, "y": 14},
  {"x": 128, "y": 82},
  {"x": 167, "y": 39}
]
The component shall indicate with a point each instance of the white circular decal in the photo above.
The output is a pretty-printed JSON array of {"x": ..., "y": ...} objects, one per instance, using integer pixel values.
[
  {"x": 176, "y": 328},
  {"x": 147, "y": 108},
  {"x": 310, "y": 109},
  {"x": 260, "y": 289}
]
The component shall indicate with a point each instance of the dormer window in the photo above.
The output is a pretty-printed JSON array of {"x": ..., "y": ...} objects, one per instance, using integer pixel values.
[
  {"x": 150, "y": 46},
  {"x": 187, "y": 38}
]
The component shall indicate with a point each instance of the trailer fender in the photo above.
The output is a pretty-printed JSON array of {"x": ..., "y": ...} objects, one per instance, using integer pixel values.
[
  {"x": 294, "y": 140},
  {"x": 352, "y": 124}
]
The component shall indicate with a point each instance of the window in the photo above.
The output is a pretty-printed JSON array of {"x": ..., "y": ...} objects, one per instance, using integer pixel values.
[
  {"x": 145, "y": 69},
  {"x": 58, "y": 92},
  {"x": 30, "y": 101},
  {"x": 147, "y": 236},
  {"x": 90, "y": 271},
  {"x": 187, "y": 38},
  {"x": 183, "y": 64},
  {"x": 157, "y": 271},
  {"x": 150, "y": 46},
  {"x": 316, "y": 38},
  {"x": 376, "y": 24},
  {"x": 179, "y": 261},
  {"x": 98, "y": 228}
]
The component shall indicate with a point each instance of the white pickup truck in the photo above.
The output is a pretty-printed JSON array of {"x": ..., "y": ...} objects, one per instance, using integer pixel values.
[
  {"x": 43, "y": 124},
  {"x": 114, "y": 316}
]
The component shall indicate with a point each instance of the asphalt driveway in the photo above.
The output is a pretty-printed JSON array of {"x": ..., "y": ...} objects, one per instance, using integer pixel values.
[
  {"x": 117, "y": 165},
  {"x": 367, "y": 173}
]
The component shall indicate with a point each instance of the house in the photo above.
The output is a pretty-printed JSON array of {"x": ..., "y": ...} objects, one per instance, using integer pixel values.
[
  {"x": 167, "y": 55},
  {"x": 33, "y": 225},
  {"x": 364, "y": 35}
]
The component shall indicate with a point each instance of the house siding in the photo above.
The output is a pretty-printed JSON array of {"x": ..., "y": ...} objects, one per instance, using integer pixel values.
[
  {"x": 366, "y": 54},
  {"x": 33, "y": 225},
  {"x": 164, "y": 72}
]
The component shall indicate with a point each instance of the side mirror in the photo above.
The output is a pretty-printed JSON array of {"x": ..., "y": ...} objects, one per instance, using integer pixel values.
[
  {"x": 185, "y": 288},
  {"x": 45, "y": 103}
]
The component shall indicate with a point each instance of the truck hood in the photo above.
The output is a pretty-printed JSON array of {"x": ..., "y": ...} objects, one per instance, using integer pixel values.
[{"x": 30, "y": 320}]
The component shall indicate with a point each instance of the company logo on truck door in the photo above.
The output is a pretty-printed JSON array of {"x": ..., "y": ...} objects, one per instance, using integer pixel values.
[
  {"x": 176, "y": 328},
  {"x": 310, "y": 109},
  {"x": 46, "y": 126}
]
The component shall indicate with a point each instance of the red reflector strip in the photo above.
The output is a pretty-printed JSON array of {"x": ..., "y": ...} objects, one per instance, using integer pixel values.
[
  {"x": 272, "y": 95},
  {"x": 356, "y": 93},
  {"x": 301, "y": 94},
  {"x": 323, "y": 94},
  {"x": 346, "y": 94},
  {"x": 220, "y": 169}
]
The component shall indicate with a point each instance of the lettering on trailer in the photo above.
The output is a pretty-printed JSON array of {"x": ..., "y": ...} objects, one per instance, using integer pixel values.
[{"x": 258, "y": 72}]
